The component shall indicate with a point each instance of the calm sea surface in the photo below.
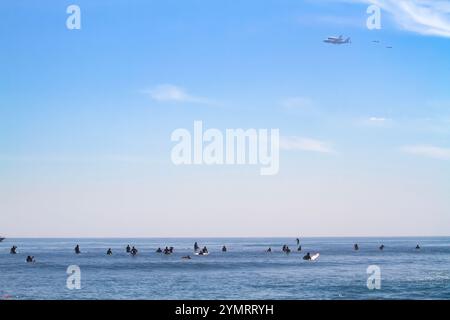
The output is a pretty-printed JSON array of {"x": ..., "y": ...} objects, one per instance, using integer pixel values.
[{"x": 246, "y": 271}]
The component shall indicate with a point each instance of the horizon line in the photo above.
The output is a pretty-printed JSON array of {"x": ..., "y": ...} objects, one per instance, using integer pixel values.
[{"x": 226, "y": 237}]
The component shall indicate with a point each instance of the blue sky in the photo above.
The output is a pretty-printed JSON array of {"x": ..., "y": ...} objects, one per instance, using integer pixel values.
[{"x": 86, "y": 117}]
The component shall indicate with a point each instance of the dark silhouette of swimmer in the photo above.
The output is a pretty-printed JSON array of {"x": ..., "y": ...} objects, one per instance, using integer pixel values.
[
  {"x": 128, "y": 249},
  {"x": 298, "y": 241},
  {"x": 299, "y": 248},
  {"x": 286, "y": 249},
  {"x": 382, "y": 247},
  {"x": 204, "y": 250},
  {"x": 307, "y": 256},
  {"x": 196, "y": 247},
  {"x": 171, "y": 249},
  {"x": 186, "y": 257},
  {"x": 159, "y": 250},
  {"x": 166, "y": 250},
  {"x": 224, "y": 249},
  {"x": 30, "y": 259},
  {"x": 109, "y": 252},
  {"x": 133, "y": 251},
  {"x": 356, "y": 247},
  {"x": 269, "y": 250},
  {"x": 77, "y": 249},
  {"x": 13, "y": 250},
  {"x": 417, "y": 247}
]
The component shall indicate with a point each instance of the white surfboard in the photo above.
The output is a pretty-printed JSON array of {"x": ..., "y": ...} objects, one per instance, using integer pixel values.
[
  {"x": 201, "y": 254},
  {"x": 314, "y": 257}
]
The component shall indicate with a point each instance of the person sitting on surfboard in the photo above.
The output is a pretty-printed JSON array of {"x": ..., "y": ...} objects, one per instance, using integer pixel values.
[
  {"x": 13, "y": 250},
  {"x": 224, "y": 249},
  {"x": 159, "y": 250},
  {"x": 204, "y": 250},
  {"x": 417, "y": 247},
  {"x": 171, "y": 250},
  {"x": 382, "y": 247},
  {"x": 128, "y": 249},
  {"x": 77, "y": 249},
  {"x": 30, "y": 259},
  {"x": 196, "y": 247},
  {"x": 299, "y": 248},
  {"x": 356, "y": 246},
  {"x": 133, "y": 251},
  {"x": 109, "y": 252},
  {"x": 307, "y": 256},
  {"x": 269, "y": 250}
]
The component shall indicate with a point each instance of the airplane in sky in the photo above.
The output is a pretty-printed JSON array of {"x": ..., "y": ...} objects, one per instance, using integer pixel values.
[{"x": 337, "y": 40}]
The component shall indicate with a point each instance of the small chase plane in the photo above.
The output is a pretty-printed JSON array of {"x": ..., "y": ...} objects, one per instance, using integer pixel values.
[{"x": 337, "y": 40}]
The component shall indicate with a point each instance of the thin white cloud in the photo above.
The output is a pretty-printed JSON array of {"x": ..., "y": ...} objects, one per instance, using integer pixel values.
[
  {"x": 426, "y": 17},
  {"x": 304, "y": 144},
  {"x": 298, "y": 103},
  {"x": 173, "y": 93},
  {"x": 428, "y": 151},
  {"x": 376, "y": 119}
]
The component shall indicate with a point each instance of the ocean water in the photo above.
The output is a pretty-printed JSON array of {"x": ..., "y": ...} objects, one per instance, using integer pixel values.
[{"x": 246, "y": 271}]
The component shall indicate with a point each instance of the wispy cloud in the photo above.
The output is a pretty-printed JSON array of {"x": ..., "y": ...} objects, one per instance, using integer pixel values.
[
  {"x": 420, "y": 16},
  {"x": 304, "y": 144},
  {"x": 428, "y": 151},
  {"x": 298, "y": 103},
  {"x": 377, "y": 119},
  {"x": 173, "y": 93}
]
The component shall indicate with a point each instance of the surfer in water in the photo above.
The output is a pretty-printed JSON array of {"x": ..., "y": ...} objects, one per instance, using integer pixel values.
[
  {"x": 382, "y": 247},
  {"x": 13, "y": 250},
  {"x": 298, "y": 241},
  {"x": 159, "y": 250},
  {"x": 269, "y": 250},
  {"x": 133, "y": 251},
  {"x": 224, "y": 249},
  {"x": 109, "y": 252},
  {"x": 77, "y": 249},
  {"x": 299, "y": 248},
  {"x": 356, "y": 247},
  {"x": 30, "y": 259},
  {"x": 307, "y": 256},
  {"x": 186, "y": 258},
  {"x": 196, "y": 247},
  {"x": 166, "y": 250},
  {"x": 128, "y": 249},
  {"x": 417, "y": 247}
]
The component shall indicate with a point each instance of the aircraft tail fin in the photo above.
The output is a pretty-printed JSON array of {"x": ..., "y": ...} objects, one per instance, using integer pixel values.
[{"x": 348, "y": 40}]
